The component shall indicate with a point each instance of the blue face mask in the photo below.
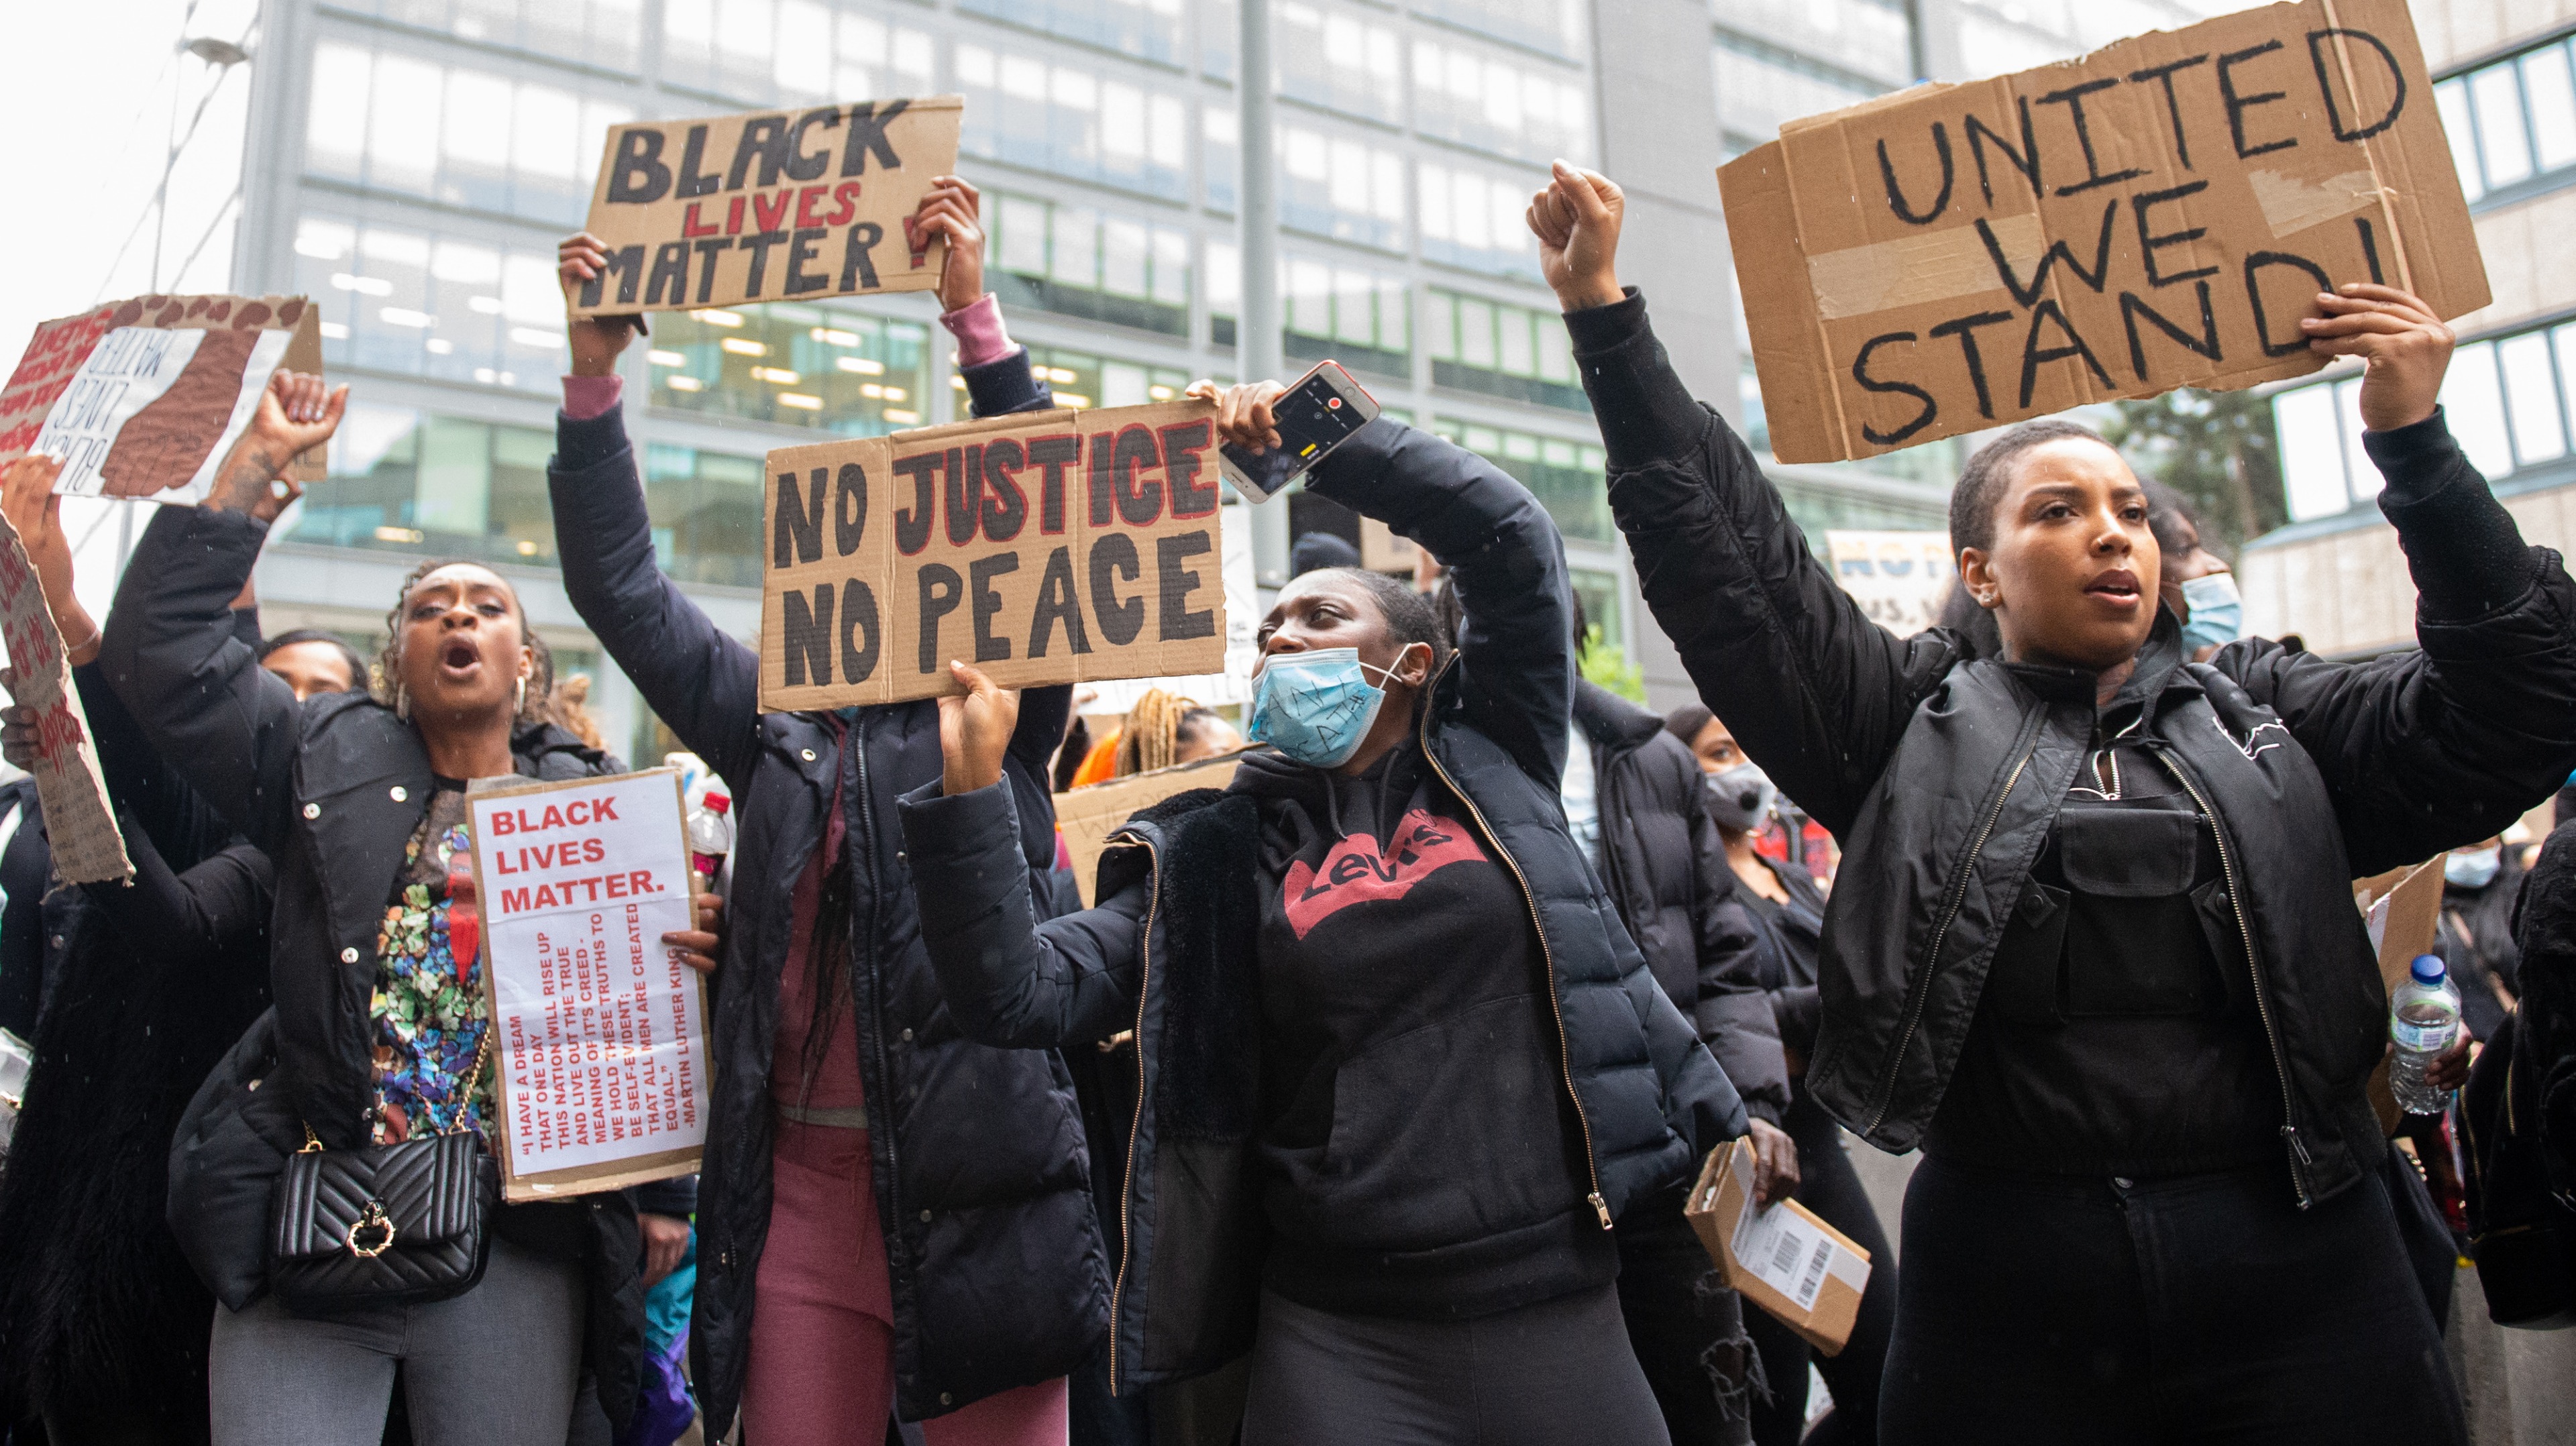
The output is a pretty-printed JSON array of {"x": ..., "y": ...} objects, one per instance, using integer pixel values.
[
  {"x": 2473, "y": 870},
  {"x": 2217, "y": 611},
  {"x": 1315, "y": 707}
]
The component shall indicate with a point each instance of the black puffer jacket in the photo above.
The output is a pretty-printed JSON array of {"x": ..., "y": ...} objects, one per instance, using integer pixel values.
[
  {"x": 1666, "y": 870},
  {"x": 1171, "y": 950},
  {"x": 981, "y": 1186},
  {"x": 331, "y": 790},
  {"x": 1943, "y": 777}
]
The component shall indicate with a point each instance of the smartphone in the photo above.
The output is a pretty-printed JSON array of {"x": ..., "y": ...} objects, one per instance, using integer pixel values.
[{"x": 1312, "y": 418}]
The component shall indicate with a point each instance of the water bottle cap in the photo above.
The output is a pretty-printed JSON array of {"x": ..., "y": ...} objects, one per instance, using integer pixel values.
[
  {"x": 718, "y": 803},
  {"x": 2427, "y": 969}
]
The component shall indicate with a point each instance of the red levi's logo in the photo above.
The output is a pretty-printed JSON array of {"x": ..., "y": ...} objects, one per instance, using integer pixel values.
[{"x": 1357, "y": 871}]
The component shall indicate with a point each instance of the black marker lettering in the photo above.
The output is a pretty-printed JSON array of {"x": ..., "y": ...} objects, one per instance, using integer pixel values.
[
  {"x": 692, "y": 154},
  {"x": 796, "y": 524},
  {"x": 1052, "y": 455},
  {"x": 1058, "y": 602},
  {"x": 941, "y": 590},
  {"x": 1006, "y": 508},
  {"x": 804, "y": 167},
  {"x": 2025, "y": 160},
  {"x": 2073, "y": 99},
  {"x": 807, "y": 635},
  {"x": 980, "y": 574},
  {"x": 2163, "y": 75},
  {"x": 1120, "y": 622},
  {"x": 707, "y": 265},
  {"x": 849, "y": 508},
  {"x": 637, "y": 176},
  {"x": 912, "y": 529},
  {"x": 1176, "y": 579},
  {"x": 2325, "y": 82},
  {"x": 2150, "y": 242},
  {"x": 764, "y": 139},
  {"x": 801, "y": 249},
  {"x": 1896, "y": 193},
  {"x": 2254, "y": 263},
  {"x": 2034, "y": 356},
  {"x": 858, "y": 268},
  {"x": 1965, "y": 329},
  {"x": 868, "y": 137},
  {"x": 2206, "y": 345},
  {"x": 1860, "y": 374},
  {"x": 858, "y": 614},
  {"x": 758, "y": 245},
  {"x": 2055, "y": 253},
  {"x": 2238, "y": 105}
]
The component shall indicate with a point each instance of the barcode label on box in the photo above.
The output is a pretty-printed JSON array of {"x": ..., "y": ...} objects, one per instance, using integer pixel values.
[
  {"x": 1785, "y": 1251},
  {"x": 1814, "y": 1279}
]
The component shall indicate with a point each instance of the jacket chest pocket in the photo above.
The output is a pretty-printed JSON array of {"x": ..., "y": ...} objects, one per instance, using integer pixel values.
[{"x": 2125, "y": 935}]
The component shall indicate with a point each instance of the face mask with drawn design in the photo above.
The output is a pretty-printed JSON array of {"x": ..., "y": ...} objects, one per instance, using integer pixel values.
[{"x": 1316, "y": 707}]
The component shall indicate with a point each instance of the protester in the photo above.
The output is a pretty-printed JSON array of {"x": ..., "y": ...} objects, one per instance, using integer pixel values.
[
  {"x": 313, "y": 661},
  {"x": 377, "y": 1036},
  {"x": 1788, "y": 914},
  {"x": 2093, "y": 945},
  {"x": 1315, "y": 551},
  {"x": 891, "y": 1215},
  {"x": 1632, "y": 799},
  {"x": 103, "y": 1327},
  {"x": 1385, "y": 1125},
  {"x": 1165, "y": 729},
  {"x": 2196, "y": 583}
]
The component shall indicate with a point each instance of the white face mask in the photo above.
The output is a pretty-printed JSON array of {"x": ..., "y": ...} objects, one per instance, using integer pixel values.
[{"x": 2473, "y": 870}]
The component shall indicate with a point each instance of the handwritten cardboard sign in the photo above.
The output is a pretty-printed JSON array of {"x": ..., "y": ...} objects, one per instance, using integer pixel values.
[
  {"x": 1044, "y": 547},
  {"x": 1900, "y": 579},
  {"x": 769, "y": 206},
  {"x": 600, "y": 1037},
  {"x": 80, "y": 822},
  {"x": 2159, "y": 213},
  {"x": 145, "y": 398},
  {"x": 1087, "y": 816}
]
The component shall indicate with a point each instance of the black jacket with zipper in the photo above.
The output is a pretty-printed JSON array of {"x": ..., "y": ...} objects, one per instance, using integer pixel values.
[
  {"x": 331, "y": 789},
  {"x": 982, "y": 1192},
  {"x": 1943, "y": 776},
  {"x": 1665, "y": 866},
  {"x": 1170, "y": 951}
]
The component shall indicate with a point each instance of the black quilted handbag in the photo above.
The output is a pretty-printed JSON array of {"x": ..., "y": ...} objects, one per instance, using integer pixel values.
[{"x": 401, "y": 1224}]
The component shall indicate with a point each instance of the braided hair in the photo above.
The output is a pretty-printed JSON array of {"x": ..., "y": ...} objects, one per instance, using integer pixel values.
[{"x": 385, "y": 674}]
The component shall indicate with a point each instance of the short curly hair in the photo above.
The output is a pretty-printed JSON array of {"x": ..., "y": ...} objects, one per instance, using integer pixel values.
[
  {"x": 385, "y": 674},
  {"x": 1983, "y": 482}
]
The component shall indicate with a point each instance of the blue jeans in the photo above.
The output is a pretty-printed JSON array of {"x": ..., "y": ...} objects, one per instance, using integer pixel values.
[{"x": 2198, "y": 1308}]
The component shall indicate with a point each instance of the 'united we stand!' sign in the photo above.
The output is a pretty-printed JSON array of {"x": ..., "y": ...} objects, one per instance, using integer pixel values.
[{"x": 600, "y": 1035}]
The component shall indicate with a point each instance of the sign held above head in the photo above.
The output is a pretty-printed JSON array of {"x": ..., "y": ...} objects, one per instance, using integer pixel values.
[
  {"x": 1043, "y": 547},
  {"x": 769, "y": 206},
  {"x": 2160, "y": 213}
]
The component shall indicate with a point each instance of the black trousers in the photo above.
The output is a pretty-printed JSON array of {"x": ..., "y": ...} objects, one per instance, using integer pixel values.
[
  {"x": 1687, "y": 1329},
  {"x": 2202, "y": 1308},
  {"x": 1828, "y": 1185}
]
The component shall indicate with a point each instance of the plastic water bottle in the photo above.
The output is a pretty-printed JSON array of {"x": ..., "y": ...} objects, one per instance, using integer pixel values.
[
  {"x": 711, "y": 839},
  {"x": 2423, "y": 1019}
]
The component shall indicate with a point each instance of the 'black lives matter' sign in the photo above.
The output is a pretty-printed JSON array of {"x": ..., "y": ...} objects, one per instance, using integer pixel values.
[
  {"x": 2160, "y": 213},
  {"x": 770, "y": 206},
  {"x": 1044, "y": 547}
]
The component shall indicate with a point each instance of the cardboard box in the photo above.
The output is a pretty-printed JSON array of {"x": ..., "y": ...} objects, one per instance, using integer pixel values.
[
  {"x": 2160, "y": 213},
  {"x": 2403, "y": 909},
  {"x": 1043, "y": 547},
  {"x": 1086, "y": 817},
  {"x": 1804, "y": 1272},
  {"x": 769, "y": 206}
]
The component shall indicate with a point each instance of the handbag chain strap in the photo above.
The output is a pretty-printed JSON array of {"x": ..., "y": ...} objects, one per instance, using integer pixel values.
[{"x": 482, "y": 1056}]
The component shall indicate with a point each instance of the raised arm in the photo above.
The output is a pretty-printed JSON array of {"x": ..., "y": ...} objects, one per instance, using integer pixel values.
[
  {"x": 1816, "y": 692},
  {"x": 197, "y": 691},
  {"x": 2427, "y": 750},
  {"x": 196, "y": 916}
]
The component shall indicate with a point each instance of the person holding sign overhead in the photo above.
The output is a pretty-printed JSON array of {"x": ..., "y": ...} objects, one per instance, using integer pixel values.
[
  {"x": 376, "y": 1041},
  {"x": 1400, "y": 1069},
  {"x": 891, "y": 1215},
  {"x": 2092, "y": 945}
]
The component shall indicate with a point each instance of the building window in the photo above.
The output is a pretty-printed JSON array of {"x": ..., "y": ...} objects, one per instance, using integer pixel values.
[
  {"x": 803, "y": 366},
  {"x": 2509, "y": 400},
  {"x": 1327, "y": 309},
  {"x": 1553, "y": 27},
  {"x": 459, "y": 136},
  {"x": 2512, "y": 124},
  {"x": 706, "y": 514},
  {"x": 1474, "y": 221},
  {"x": 1502, "y": 350},
  {"x": 1469, "y": 96},
  {"x": 1568, "y": 478},
  {"x": 1079, "y": 379},
  {"x": 1869, "y": 36},
  {"x": 1599, "y": 593},
  {"x": 759, "y": 49},
  {"x": 605, "y": 33},
  {"x": 1220, "y": 154},
  {"x": 1759, "y": 86},
  {"x": 1146, "y": 29},
  {"x": 461, "y": 309},
  {"x": 1071, "y": 123},
  {"x": 1080, "y": 261},
  {"x": 409, "y": 481},
  {"x": 1341, "y": 187},
  {"x": 1333, "y": 57}
]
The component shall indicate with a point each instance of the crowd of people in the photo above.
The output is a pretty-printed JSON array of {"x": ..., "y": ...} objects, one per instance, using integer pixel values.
[{"x": 1362, "y": 1101}]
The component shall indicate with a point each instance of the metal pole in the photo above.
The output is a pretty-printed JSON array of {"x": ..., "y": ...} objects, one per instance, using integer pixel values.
[{"x": 1256, "y": 324}]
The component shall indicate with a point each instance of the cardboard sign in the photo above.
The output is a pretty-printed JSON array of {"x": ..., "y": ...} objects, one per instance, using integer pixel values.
[
  {"x": 1782, "y": 1258},
  {"x": 1242, "y": 623},
  {"x": 1086, "y": 817},
  {"x": 2402, "y": 909},
  {"x": 600, "y": 1035},
  {"x": 80, "y": 822},
  {"x": 1044, "y": 547},
  {"x": 145, "y": 398},
  {"x": 1899, "y": 578},
  {"x": 2159, "y": 213},
  {"x": 769, "y": 206}
]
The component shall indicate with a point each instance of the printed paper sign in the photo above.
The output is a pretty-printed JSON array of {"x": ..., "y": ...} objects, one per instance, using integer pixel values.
[
  {"x": 1046, "y": 547},
  {"x": 769, "y": 206},
  {"x": 600, "y": 1036},
  {"x": 2159, "y": 213},
  {"x": 1900, "y": 579},
  {"x": 80, "y": 824},
  {"x": 145, "y": 398}
]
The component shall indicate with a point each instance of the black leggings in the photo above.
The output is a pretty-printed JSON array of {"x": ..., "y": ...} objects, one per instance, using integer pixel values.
[
  {"x": 2050, "y": 1309},
  {"x": 1828, "y": 1185},
  {"x": 1544, "y": 1375}
]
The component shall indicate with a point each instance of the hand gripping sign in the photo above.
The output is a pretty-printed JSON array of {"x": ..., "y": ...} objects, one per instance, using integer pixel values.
[
  {"x": 599, "y": 1035},
  {"x": 2160, "y": 213},
  {"x": 145, "y": 398},
  {"x": 1042, "y": 547},
  {"x": 769, "y": 206}
]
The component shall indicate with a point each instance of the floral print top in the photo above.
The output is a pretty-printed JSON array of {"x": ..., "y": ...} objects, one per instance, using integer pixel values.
[{"x": 429, "y": 1013}]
